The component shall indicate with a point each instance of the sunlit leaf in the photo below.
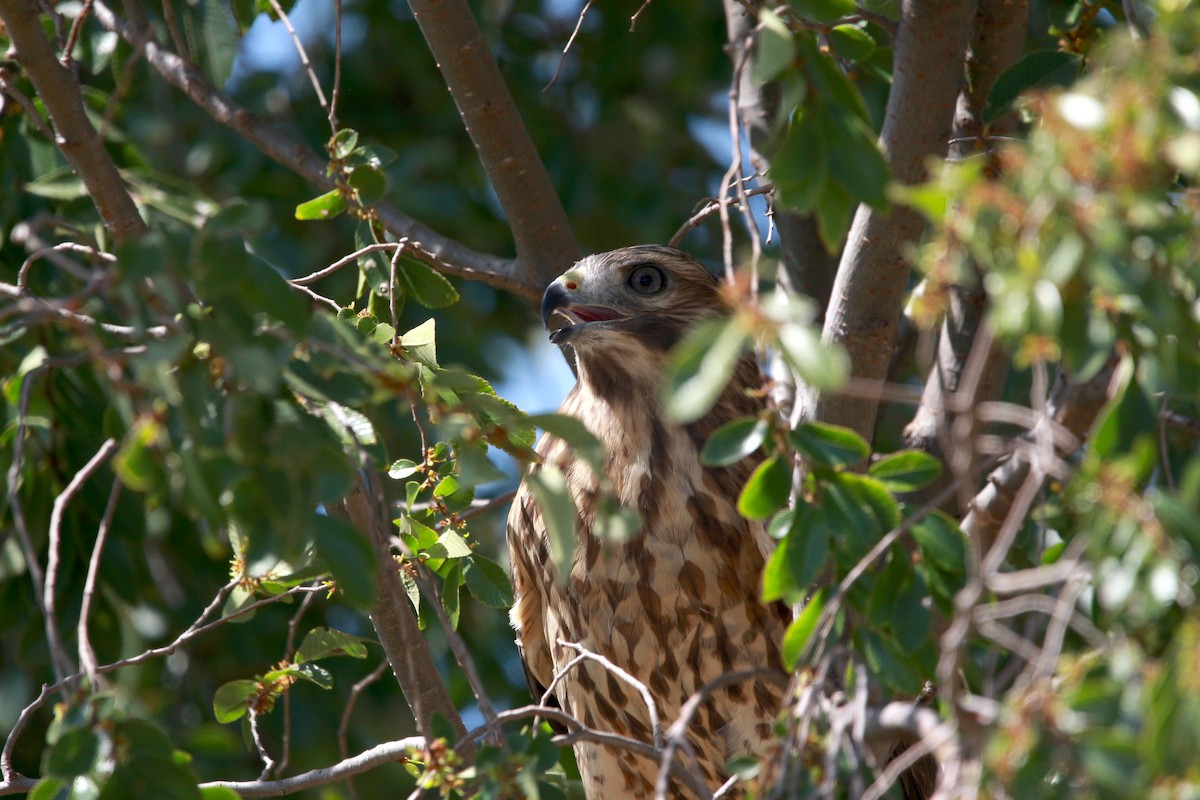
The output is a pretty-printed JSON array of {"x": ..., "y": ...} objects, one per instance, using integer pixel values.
[
  {"x": 549, "y": 487},
  {"x": 733, "y": 441},
  {"x": 829, "y": 445},
  {"x": 229, "y": 702},
  {"x": 775, "y": 46},
  {"x": 324, "y": 206},
  {"x": 906, "y": 471},
  {"x": 800, "y": 631},
  {"x": 767, "y": 489},
  {"x": 324, "y": 642},
  {"x": 488, "y": 582},
  {"x": 700, "y": 367}
]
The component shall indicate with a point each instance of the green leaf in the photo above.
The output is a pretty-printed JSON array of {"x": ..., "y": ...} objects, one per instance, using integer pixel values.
[
  {"x": 315, "y": 673},
  {"x": 941, "y": 542},
  {"x": 800, "y": 169},
  {"x": 854, "y": 158},
  {"x": 403, "y": 468},
  {"x": 906, "y": 471},
  {"x": 549, "y": 487},
  {"x": 221, "y": 40},
  {"x": 230, "y": 701},
  {"x": 767, "y": 489},
  {"x": 419, "y": 342},
  {"x": 74, "y": 753},
  {"x": 820, "y": 365},
  {"x": 798, "y": 634},
  {"x": 851, "y": 42},
  {"x": 733, "y": 441},
  {"x": 833, "y": 214},
  {"x": 323, "y": 642},
  {"x": 426, "y": 285},
  {"x": 829, "y": 83},
  {"x": 888, "y": 662},
  {"x": 1037, "y": 70},
  {"x": 326, "y": 206},
  {"x": 700, "y": 367},
  {"x": 1130, "y": 415},
  {"x": 218, "y": 793},
  {"x": 451, "y": 585},
  {"x": 450, "y": 544},
  {"x": 576, "y": 434},
  {"x": 347, "y": 555},
  {"x": 829, "y": 445},
  {"x": 368, "y": 180},
  {"x": 808, "y": 544},
  {"x": 488, "y": 582},
  {"x": 775, "y": 46},
  {"x": 823, "y": 10},
  {"x": 52, "y": 789},
  {"x": 343, "y": 143}
]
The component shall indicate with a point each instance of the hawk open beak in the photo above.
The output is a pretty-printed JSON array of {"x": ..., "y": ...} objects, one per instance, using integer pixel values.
[{"x": 559, "y": 301}]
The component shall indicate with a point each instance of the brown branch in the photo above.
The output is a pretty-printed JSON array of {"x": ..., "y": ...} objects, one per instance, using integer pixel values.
[
  {"x": 544, "y": 242},
  {"x": 1074, "y": 407},
  {"x": 75, "y": 136},
  {"x": 380, "y": 754},
  {"x": 406, "y": 648},
  {"x": 870, "y": 287},
  {"x": 997, "y": 42},
  {"x": 453, "y": 257}
]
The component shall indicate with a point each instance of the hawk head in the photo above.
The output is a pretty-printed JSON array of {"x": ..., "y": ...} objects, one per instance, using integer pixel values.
[{"x": 645, "y": 296}]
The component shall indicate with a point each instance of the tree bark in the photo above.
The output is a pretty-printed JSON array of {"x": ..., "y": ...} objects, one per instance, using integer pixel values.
[
  {"x": 544, "y": 242},
  {"x": 75, "y": 136},
  {"x": 869, "y": 290},
  {"x": 996, "y": 44}
]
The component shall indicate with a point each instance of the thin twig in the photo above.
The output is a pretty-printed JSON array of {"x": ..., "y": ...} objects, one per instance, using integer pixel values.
[
  {"x": 641, "y": 688},
  {"x": 49, "y": 603},
  {"x": 347, "y": 710},
  {"x": 677, "y": 733},
  {"x": 308, "y": 67},
  {"x": 73, "y": 36},
  {"x": 710, "y": 207},
  {"x": 260, "y": 746},
  {"x": 289, "y": 651},
  {"x": 633, "y": 20},
  {"x": 87, "y": 656},
  {"x": 337, "y": 65},
  {"x": 563, "y": 59}
]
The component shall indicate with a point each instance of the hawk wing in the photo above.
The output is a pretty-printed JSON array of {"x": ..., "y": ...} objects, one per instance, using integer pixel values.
[{"x": 527, "y": 553}]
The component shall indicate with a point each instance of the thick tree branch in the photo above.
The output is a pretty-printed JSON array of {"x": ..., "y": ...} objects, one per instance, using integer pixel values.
[
  {"x": 541, "y": 232},
  {"x": 405, "y": 646},
  {"x": 73, "y": 132},
  {"x": 996, "y": 45},
  {"x": 869, "y": 290},
  {"x": 453, "y": 257}
]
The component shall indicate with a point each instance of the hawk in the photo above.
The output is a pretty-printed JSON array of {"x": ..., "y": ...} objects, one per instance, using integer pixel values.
[{"x": 678, "y": 604}]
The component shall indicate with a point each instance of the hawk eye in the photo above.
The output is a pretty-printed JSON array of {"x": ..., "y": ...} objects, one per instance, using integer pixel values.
[{"x": 647, "y": 279}]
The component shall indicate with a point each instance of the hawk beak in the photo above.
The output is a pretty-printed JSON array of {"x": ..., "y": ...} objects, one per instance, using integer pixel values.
[{"x": 556, "y": 297}]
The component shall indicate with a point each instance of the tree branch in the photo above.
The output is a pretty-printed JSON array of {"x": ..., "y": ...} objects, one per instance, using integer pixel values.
[
  {"x": 541, "y": 232},
  {"x": 368, "y": 759},
  {"x": 453, "y": 257},
  {"x": 406, "y": 648},
  {"x": 869, "y": 290},
  {"x": 996, "y": 45},
  {"x": 74, "y": 135},
  {"x": 1074, "y": 407}
]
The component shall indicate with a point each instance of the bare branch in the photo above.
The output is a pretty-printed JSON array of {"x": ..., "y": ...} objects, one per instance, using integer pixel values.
[
  {"x": 378, "y": 755},
  {"x": 1075, "y": 407},
  {"x": 87, "y": 656},
  {"x": 454, "y": 258},
  {"x": 61, "y": 660},
  {"x": 870, "y": 287},
  {"x": 348, "y": 710},
  {"x": 75, "y": 137},
  {"x": 625, "y": 677},
  {"x": 308, "y": 67}
]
